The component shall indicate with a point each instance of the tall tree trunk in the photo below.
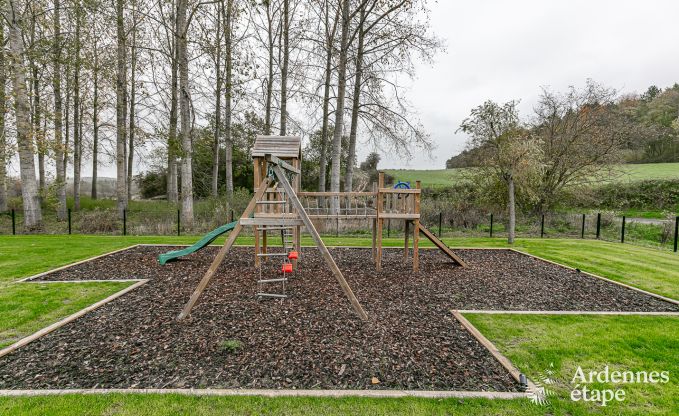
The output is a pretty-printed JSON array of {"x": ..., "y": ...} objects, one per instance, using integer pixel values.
[
  {"x": 172, "y": 145},
  {"x": 67, "y": 126},
  {"x": 77, "y": 130},
  {"x": 95, "y": 121},
  {"x": 58, "y": 116},
  {"x": 284, "y": 68},
  {"x": 121, "y": 104},
  {"x": 133, "y": 98},
  {"x": 339, "y": 110},
  {"x": 269, "y": 80},
  {"x": 3, "y": 109},
  {"x": 185, "y": 116},
  {"x": 512, "y": 210},
  {"x": 228, "y": 96},
  {"x": 29, "y": 187},
  {"x": 351, "y": 159},
  {"x": 35, "y": 107},
  {"x": 329, "y": 41},
  {"x": 37, "y": 132},
  {"x": 218, "y": 105}
]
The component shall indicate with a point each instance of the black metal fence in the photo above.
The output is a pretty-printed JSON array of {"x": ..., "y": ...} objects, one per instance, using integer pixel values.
[{"x": 660, "y": 233}]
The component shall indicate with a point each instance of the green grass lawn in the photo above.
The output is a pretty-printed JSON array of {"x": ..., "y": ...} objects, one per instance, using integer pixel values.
[
  {"x": 532, "y": 342},
  {"x": 446, "y": 177},
  {"x": 641, "y": 343}
]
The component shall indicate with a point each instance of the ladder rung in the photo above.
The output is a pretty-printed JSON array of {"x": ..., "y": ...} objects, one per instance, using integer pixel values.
[
  {"x": 273, "y": 228},
  {"x": 271, "y": 254},
  {"x": 272, "y": 295},
  {"x": 282, "y": 279}
]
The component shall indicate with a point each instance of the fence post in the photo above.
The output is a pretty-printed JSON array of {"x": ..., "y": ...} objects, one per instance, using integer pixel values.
[
  {"x": 14, "y": 223},
  {"x": 542, "y": 226},
  {"x": 124, "y": 221},
  {"x": 622, "y": 234},
  {"x": 231, "y": 216},
  {"x": 582, "y": 232},
  {"x": 69, "y": 221},
  {"x": 179, "y": 223},
  {"x": 598, "y": 225},
  {"x": 388, "y": 228},
  {"x": 676, "y": 232},
  {"x": 440, "y": 220},
  {"x": 491, "y": 225}
]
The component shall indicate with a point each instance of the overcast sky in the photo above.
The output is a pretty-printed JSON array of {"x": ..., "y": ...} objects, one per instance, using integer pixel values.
[{"x": 503, "y": 50}]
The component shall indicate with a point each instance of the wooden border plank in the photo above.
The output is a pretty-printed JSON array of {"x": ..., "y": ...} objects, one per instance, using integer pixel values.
[
  {"x": 41, "y": 274},
  {"x": 531, "y": 312},
  {"x": 377, "y": 393},
  {"x": 504, "y": 361}
]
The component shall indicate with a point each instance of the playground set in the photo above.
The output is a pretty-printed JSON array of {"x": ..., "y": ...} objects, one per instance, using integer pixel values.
[{"x": 279, "y": 206}]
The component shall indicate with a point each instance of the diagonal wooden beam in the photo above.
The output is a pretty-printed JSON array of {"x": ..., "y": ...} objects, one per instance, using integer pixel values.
[
  {"x": 319, "y": 242},
  {"x": 442, "y": 246},
  {"x": 222, "y": 251}
]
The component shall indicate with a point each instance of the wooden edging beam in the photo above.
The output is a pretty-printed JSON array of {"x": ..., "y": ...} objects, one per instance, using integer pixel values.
[
  {"x": 69, "y": 318},
  {"x": 523, "y": 312},
  {"x": 427, "y": 394},
  {"x": 655, "y": 295},
  {"x": 504, "y": 361},
  {"x": 35, "y": 276}
]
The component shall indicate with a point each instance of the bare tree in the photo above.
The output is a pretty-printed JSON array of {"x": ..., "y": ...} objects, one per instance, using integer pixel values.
[
  {"x": 339, "y": 107},
  {"x": 29, "y": 187},
  {"x": 185, "y": 115},
  {"x": 121, "y": 106},
  {"x": 330, "y": 30},
  {"x": 581, "y": 135},
  {"x": 60, "y": 180},
  {"x": 77, "y": 126},
  {"x": 228, "y": 16},
  {"x": 3, "y": 110},
  {"x": 95, "y": 118},
  {"x": 133, "y": 100}
]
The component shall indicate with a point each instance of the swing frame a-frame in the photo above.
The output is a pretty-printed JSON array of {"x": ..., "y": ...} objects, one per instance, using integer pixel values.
[{"x": 276, "y": 157}]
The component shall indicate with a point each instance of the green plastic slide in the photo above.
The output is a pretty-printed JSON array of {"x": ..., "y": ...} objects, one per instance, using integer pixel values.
[{"x": 203, "y": 242}]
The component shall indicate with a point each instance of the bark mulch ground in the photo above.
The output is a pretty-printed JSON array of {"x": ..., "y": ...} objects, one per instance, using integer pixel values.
[{"x": 310, "y": 340}]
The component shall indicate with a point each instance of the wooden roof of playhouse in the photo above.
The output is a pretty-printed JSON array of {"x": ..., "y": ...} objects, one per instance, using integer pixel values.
[{"x": 279, "y": 146}]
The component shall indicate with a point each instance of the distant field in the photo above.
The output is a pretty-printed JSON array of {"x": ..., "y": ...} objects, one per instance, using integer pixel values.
[{"x": 445, "y": 177}]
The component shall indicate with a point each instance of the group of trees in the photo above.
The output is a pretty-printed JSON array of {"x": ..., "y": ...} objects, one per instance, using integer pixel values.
[
  {"x": 572, "y": 139},
  {"x": 115, "y": 82}
]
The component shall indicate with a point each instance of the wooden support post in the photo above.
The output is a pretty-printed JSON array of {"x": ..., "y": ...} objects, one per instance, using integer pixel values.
[
  {"x": 264, "y": 238},
  {"x": 374, "y": 243},
  {"x": 319, "y": 243},
  {"x": 416, "y": 231},
  {"x": 222, "y": 251},
  {"x": 380, "y": 221},
  {"x": 406, "y": 233},
  {"x": 256, "y": 233}
]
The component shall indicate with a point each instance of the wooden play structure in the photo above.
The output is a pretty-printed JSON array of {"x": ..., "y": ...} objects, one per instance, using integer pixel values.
[{"x": 279, "y": 206}]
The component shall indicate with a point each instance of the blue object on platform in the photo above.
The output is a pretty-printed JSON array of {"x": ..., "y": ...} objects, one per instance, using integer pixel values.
[
  {"x": 202, "y": 243},
  {"x": 402, "y": 185}
]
